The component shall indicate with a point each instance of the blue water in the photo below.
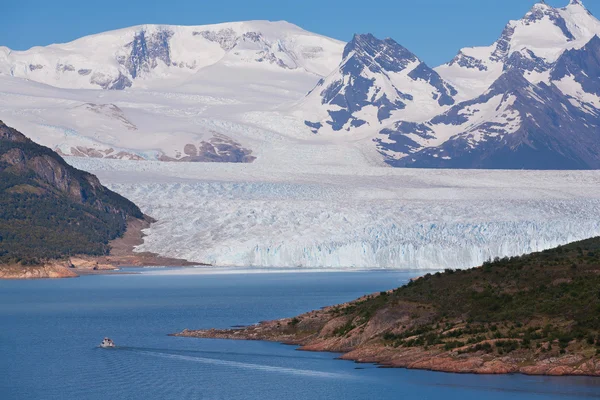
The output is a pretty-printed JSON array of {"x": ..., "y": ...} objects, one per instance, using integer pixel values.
[{"x": 49, "y": 331}]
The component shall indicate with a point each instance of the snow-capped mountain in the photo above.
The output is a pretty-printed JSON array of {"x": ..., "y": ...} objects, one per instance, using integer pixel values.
[
  {"x": 541, "y": 110},
  {"x": 376, "y": 80},
  {"x": 514, "y": 125},
  {"x": 190, "y": 93},
  {"x": 255, "y": 91},
  {"x": 532, "y": 44},
  {"x": 120, "y": 59}
]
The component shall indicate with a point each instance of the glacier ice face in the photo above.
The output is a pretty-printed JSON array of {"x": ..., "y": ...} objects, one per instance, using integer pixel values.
[{"x": 248, "y": 215}]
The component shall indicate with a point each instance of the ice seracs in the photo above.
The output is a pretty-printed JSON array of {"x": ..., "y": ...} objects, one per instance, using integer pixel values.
[{"x": 352, "y": 215}]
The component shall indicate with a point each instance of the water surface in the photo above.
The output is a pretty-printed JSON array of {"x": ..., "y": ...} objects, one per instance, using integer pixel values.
[{"x": 49, "y": 331}]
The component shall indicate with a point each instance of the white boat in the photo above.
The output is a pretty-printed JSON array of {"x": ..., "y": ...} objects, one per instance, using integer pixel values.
[{"x": 107, "y": 343}]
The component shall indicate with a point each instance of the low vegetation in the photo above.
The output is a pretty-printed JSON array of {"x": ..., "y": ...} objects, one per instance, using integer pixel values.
[{"x": 547, "y": 302}]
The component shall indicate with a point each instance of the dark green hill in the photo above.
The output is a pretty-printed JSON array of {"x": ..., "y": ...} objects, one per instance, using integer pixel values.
[
  {"x": 536, "y": 298},
  {"x": 535, "y": 314},
  {"x": 49, "y": 209}
]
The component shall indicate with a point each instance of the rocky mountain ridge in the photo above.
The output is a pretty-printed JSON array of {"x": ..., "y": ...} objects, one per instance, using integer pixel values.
[
  {"x": 541, "y": 111},
  {"x": 377, "y": 78}
]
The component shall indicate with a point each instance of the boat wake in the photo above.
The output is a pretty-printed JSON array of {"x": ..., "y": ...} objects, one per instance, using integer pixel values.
[{"x": 238, "y": 364}]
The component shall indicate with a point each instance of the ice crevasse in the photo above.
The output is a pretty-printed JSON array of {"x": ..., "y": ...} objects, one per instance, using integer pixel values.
[{"x": 315, "y": 226}]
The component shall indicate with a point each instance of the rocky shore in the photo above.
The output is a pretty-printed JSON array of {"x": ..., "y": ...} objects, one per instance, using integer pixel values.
[
  {"x": 536, "y": 314},
  {"x": 57, "y": 269},
  {"x": 320, "y": 331}
]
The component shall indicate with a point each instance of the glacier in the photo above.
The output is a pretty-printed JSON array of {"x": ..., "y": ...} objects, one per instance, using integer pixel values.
[
  {"x": 352, "y": 217},
  {"x": 303, "y": 196}
]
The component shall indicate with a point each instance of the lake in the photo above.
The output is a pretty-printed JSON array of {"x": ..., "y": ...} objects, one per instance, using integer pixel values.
[{"x": 50, "y": 329}]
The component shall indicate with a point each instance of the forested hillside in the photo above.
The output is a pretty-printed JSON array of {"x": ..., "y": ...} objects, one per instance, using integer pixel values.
[{"x": 49, "y": 209}]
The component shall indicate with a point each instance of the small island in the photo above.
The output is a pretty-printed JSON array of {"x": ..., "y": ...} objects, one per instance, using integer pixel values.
[{"x": 537, "y": 314}]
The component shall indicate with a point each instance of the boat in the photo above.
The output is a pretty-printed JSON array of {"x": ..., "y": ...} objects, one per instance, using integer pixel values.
[{"x": 107, "y": 343}]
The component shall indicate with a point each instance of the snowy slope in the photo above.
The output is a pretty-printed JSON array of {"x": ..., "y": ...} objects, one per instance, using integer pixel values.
[
  {"x": 200, "y": 93},
  {"x": 536, "y": 103},
  {"x": 146, "y": 55},
  {"x": 270, "y": 92},
  {"x": 164, "y": 125},
  {"x": 532, "y": 44},
  {"x": 377, "y": 80}
]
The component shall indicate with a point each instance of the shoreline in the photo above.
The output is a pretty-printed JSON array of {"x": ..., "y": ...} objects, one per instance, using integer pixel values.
[
  {"x": 121, "y": 255},
  {"x": 315, "y": 331},
  {"x": 418, "y": 359}
]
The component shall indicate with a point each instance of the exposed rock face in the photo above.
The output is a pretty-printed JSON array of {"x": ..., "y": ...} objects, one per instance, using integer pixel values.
[
  {"x": 219, "y": 148},
  {"x": 112, "y": 111},
  {"x": 537, "y": 127},
  {"x": 265, "y": 51},
  {"x": 110, "y": 153},
  {"x": 583, "y": 65},
  {"x": 12, "y": 135},
  {"x": 226, "y": 38},
  {"x": 146, "y": 50},
  {"x": 91, "y": 263},
  {"x": 57, "y": 175},
  {"x": 108, "y": 82}
]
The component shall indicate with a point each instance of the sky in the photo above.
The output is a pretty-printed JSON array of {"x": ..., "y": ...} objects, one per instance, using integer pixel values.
[{"x": 433, "y": 29}]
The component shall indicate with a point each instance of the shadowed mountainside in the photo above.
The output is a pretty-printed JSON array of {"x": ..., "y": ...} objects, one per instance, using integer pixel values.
[{"x": 50, "y": 210}]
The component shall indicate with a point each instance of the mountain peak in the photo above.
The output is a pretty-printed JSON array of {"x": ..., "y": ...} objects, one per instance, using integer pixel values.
[
  {"x": 381, "y": 51},
  {"x": 118, "y": 59},
  {"x": 377, "y": 77},
  {"x": 541, "y": 5},
  {"x": 577, "y": 6},
  {"x": 539, "y": 11}
]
